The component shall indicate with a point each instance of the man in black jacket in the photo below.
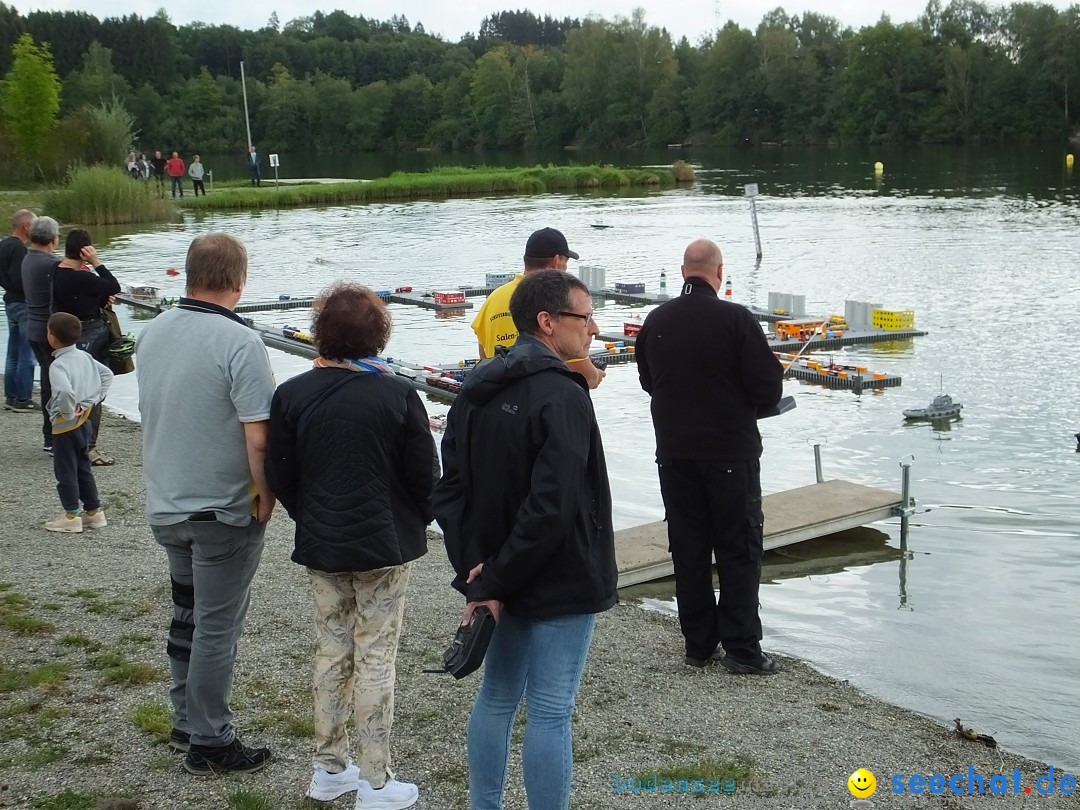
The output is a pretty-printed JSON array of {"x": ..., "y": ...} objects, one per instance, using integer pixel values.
[
  {"x": 19, "y": 364},
  {"x": 525, "y": 506},
  {"x": 709, "y": 370}
]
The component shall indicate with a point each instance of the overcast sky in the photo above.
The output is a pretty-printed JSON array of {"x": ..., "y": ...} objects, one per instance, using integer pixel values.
[{"x": 453, "y": 18}]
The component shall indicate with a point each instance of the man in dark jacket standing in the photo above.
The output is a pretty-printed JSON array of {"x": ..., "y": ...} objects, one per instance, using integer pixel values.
[
  {"x": 525, "y": 506},
  {"x": 709, "y": 370},
  {"x": 19, "y": 364}
]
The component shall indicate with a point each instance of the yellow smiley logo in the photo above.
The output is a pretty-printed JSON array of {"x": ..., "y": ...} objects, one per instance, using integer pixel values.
[{"x": 862, "y": 784}]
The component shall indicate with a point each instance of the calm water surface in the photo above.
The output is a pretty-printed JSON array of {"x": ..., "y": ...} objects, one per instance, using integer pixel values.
[{"x": 980, "y": 620}]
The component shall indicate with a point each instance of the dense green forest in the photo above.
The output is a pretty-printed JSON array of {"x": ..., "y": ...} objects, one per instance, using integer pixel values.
[{"x": 961, "y": 72}]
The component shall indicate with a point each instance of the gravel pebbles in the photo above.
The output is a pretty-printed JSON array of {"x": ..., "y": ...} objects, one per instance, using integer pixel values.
[{"x": 82, "y": 626}]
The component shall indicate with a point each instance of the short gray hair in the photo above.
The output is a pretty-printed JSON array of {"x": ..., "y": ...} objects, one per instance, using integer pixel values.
[
  {"x": 22, "y": 217},
  {"x": 44, "y": 231},
  {"x": 542, "y": 291},
  {"x": 216, "y": 262}
]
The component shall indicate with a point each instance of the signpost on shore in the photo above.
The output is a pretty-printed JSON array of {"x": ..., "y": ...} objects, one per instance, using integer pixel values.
[{"x": 274, "y": 163}]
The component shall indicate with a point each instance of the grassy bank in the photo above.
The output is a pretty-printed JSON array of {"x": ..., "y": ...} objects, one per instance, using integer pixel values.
[
  {"x": 12, "y": 201},
  {"x": 455, "y": 181},
  {"x": 101, "y": 195}
]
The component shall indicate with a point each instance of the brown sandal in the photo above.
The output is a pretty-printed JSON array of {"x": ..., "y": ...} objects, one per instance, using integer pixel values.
[{"x": 99, "y": 459}]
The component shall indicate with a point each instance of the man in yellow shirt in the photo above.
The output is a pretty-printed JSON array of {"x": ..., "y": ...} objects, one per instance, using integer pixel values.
[{"x": 546, "y": 250}]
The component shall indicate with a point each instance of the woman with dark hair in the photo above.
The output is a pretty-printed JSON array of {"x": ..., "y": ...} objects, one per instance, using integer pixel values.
[
  {"x": 82, "y": 285},
  {"x": 351, "y": 458}
]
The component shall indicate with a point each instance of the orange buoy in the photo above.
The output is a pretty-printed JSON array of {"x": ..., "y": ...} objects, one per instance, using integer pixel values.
[{"x": 172, "y": 271}]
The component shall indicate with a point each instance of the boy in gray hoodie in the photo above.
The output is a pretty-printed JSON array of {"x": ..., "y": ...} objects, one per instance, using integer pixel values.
[{"x": 79, "y": 383}]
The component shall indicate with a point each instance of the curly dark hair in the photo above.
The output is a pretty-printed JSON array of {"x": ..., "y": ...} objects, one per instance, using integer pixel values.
[{"x": 350, "y": 321}]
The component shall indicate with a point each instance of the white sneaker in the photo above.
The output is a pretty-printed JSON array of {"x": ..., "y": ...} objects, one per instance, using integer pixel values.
[
  {"x": 94, "y": 521},
  {"x": 63, "y": 523},
  {"x": 394, "y": 795},
  {"x": 325, "y": 787}
]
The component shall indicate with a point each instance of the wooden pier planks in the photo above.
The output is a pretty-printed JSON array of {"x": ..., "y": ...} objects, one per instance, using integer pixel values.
[{"x": 641, "y": 552}]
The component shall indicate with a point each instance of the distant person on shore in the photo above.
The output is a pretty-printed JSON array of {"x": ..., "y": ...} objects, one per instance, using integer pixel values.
[
  {"x": 205, "y": 388},
  {"x": 525, "y": 507},
  {"x": 196, "y": 171},
  {"x": 157, "y": 171},
  {"x": 38, "y": 269},
  {"x": 253, "y": 166},
  {"x": 546, "y": 250},
  {"x": 175, "y": 167},
  {"x": 82, "y": 285},
  {"x": 144, "y": 166},
  {"x": 19, "y": 364},
  {"x": 79, "y": 384},
  {"x": 709, "y": 369},
  {"x": 352, "y": 460},
  {"x": 131, "y": 165}
]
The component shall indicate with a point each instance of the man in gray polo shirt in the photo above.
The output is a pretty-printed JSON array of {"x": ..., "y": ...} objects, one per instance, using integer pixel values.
[{"x": 205, "y": 387}]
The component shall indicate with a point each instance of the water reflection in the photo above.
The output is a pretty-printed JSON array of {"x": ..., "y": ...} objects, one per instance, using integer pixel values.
[{"x": 831, "y": 554}]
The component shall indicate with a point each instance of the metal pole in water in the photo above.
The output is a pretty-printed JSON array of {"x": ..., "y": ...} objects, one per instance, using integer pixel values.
[
  {"x": 751, "y": 190},
  {"x": 817, "y": 464},
  {"x": 907, "y": 503}
]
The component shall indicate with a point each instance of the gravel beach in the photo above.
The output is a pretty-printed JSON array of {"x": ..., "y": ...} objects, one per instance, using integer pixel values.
[{"x": 83, "y": 686}]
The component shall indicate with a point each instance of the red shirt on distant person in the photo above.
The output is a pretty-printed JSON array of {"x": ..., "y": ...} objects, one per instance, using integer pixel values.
[{"x": 174, "y": 166}]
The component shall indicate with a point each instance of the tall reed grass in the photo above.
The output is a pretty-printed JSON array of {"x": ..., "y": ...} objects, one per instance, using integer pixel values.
[
  {"x": 445, "y": 181},
  {"x": 104, "y": 195}
]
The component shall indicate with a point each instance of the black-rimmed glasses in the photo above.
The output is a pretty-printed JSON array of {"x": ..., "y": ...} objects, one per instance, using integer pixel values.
[{"x": 585, "y": 318}]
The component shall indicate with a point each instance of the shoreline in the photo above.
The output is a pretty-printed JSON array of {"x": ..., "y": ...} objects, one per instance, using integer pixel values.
[{"x": 641, "y": 711}]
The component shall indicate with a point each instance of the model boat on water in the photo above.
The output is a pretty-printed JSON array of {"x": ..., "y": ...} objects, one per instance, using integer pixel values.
[{"x": 941, "y": 407}]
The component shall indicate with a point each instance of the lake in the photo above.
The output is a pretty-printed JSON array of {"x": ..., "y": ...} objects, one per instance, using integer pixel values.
[{"x": 979, "y": 619}]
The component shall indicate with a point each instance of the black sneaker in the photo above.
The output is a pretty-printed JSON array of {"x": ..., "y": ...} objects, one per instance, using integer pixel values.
[
  {"x": 47, "y": 447},
  {"x": 759, "y": 665},
  {"x": 23, "y": 406},
  {"x": 231, "y": 758},
  {"x": 700, "y": 663},
  {"x": 180, "y": 741}
]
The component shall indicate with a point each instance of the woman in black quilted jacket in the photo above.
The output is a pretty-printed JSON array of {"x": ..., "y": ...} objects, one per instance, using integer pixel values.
[{"x": 352, "y": 459}]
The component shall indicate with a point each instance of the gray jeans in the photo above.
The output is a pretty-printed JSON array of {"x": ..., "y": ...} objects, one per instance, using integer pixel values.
[{"x": 211, "y": 565}]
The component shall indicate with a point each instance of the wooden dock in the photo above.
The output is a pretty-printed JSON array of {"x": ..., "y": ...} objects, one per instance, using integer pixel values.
[{"x": 641, "y": 552}]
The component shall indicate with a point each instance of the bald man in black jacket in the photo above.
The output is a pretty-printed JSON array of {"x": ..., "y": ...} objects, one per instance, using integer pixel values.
[{"x": 709, "y": 369}]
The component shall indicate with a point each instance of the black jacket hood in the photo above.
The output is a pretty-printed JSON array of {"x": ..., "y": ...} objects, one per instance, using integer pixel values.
[{"x": 530, "y": 356}]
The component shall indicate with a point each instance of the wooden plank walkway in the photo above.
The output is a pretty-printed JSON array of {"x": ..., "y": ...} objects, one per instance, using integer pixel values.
[{"x": 641, "y": 552}]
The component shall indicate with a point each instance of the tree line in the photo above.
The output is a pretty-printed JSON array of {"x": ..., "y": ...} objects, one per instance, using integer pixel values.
[{"x": 962, "y": 72}]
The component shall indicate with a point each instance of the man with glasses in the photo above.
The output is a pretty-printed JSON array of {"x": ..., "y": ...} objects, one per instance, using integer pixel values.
[
  {"x": 709, "y": 370},
  {"x": 546, "y": 250},
  {"x": 525, "y": 507}
]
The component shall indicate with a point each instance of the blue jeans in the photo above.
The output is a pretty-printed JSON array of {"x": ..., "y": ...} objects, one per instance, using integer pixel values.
[
  {"x": 19, "y": 366},
  {"x": 211, "y": 564},
  {"x": 543, "y": 658}
]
